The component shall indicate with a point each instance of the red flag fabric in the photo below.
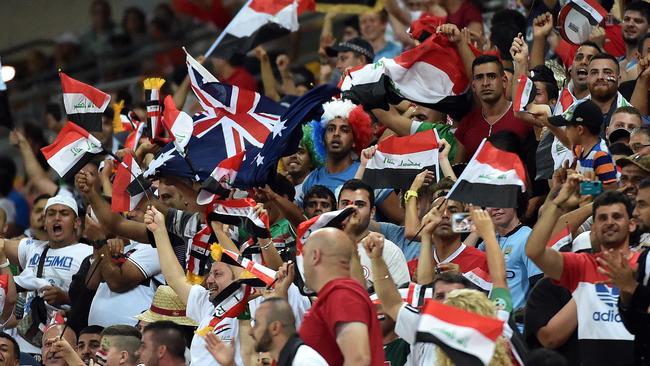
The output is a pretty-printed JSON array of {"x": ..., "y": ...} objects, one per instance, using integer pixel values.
[{"x": 71, "y": 150}]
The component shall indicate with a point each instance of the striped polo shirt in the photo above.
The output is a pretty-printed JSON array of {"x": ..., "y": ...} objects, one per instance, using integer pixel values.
[{"x": 597, "y": 160}]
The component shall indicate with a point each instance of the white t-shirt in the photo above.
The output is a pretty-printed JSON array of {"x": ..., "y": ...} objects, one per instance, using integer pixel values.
[
  {"x": 199, "y": 309},
  {"x": 108, "y": 307},
  {"x": 405, "y": 327},
  {"x": 394, "y": 258},
  {"x": 307, "y": 356}
]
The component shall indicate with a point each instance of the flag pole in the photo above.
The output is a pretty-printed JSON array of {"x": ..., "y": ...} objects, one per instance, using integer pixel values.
[
  {"x": 189, "y": 164},
  {"x": 224, "y": 32}
]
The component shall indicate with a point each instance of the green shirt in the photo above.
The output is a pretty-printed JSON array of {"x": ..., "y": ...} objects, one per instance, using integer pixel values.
[
  {"x": 396, "y": 352},
  {"x": 444, "y": 132}
]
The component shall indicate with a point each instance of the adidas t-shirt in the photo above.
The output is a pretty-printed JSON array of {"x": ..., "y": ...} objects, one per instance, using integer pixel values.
[{"x": 602, "y": 336}]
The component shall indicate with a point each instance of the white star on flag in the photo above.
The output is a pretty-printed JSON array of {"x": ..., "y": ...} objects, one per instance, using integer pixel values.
[
  {"x": 259, "y": 159},
  {"x": 277, "y": 129}
]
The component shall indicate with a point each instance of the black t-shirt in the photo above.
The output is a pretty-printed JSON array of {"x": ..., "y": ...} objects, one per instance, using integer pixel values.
[{"x": 544, "y": 301}]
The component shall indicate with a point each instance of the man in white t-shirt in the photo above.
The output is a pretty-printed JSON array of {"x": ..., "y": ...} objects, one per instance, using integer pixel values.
[
  {"x": 357, "y": 193},
  {"x": 62, "y": 260},
  {"x": 132, "y": 280}
]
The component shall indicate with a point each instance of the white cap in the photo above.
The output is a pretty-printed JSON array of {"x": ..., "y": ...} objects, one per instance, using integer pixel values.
[
  {"x": 581, "y": 242},
  {"x": 63, "y": 199}
]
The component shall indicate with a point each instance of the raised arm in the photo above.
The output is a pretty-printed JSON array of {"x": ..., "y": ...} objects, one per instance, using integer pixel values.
[
  {"x": 393, "y": 120},
  {"x": 171, "y": 268},
  {"x": 496, "y": 263},
  {"x": 120, "y": 277},
  {"x": 547, "y": 259},
  {"x": 391, "y": 301},
  {"x": 412, "y": 216},
  {"x": 266, "y": 72},
  {"x": 425, "y": 261},
  {"x": 542, "y": 27},
  {"x": 639, "y": 97},
  {"x": 35, "y": 172}
]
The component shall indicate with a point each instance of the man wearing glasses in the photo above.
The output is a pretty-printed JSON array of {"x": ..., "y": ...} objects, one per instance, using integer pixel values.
[{"x": 640, "y": 140}]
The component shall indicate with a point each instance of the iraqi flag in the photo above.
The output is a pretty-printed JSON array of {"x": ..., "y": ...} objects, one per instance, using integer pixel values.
[
  {"x": 198, "y": 262},
  {"x": 129, "y": 185},
  {"x": 577, "y": 18},
  {"x": 178, "y": 123},
  {"x": 467, "y": 338},
  {"x": 303, "y": 232},
  {"x": 414, "y": 295},
  {"x": 259, "y": 21},
  {"x": 84, "y": 104},
  {"x": 480, "y": 278},
  {"x": 220, "y": 180},
  {"x": 265, "y": 274},
  {"x": 561, "y": 241},
  {"x": 524, "y": 95},
  {"x": 240, "y": 212},
  {"x": 71, "y": 150},
  {"x": 399, "y": 159},
  {"x": 431, "y": 74},
  {"x": 493, "y": 178}
]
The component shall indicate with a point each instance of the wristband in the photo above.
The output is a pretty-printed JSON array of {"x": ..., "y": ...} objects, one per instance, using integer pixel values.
[
  {"x": 410, "y": 194},
  {"x": 5, "y": 264}
]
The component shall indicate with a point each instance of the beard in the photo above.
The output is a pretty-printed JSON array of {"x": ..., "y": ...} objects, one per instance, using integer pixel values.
[
  {"x": 264, "y": 344},
  {"x": 603, "y": 95}
]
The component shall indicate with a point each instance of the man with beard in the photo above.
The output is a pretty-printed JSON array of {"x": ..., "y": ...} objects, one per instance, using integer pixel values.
[
  {"x": 494, "y": 112},
  {"x": 603, "y": 77},
  {"x": 360, "y": 195},
  {"x": 163, "y": 344},
  {"x": 198, "y": 299},
  {"x": 602, "y": 337},
  {"x": 634, "y": 27},
  {"x": 634, "y": 169},
  {"x": 89, "y": 343}
]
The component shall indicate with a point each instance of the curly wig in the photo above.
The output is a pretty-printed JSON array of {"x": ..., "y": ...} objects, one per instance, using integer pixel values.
[{"x": 358, "y": 119}]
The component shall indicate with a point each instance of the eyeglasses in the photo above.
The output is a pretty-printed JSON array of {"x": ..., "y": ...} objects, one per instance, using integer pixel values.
[{"x": 638, "y": 146}]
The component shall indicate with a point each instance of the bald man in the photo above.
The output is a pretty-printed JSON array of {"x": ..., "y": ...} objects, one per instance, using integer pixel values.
[
  {"x": 49, "y": 357},
  {"x": 342, "y": 325}
]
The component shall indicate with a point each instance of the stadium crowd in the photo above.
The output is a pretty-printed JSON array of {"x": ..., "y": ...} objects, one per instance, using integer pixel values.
[{"x": 512, "y": 231}]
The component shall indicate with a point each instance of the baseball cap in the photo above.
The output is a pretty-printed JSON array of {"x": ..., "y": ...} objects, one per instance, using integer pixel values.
[
  {"x": 63, "y": 199},
  {"x": 542, "y": 73},
  {"x": 642, "y": 161},
  {"x": 358, "y": 45},
  {"x": 619, "y": 134},
  {"x": 586, "y": 113}
]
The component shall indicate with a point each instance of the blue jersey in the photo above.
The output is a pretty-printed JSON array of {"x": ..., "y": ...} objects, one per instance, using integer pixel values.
[
  {"x": 395, "y": 233},
  {"x": 334, "y": 181},
  {"x": 519, "y": 268}
]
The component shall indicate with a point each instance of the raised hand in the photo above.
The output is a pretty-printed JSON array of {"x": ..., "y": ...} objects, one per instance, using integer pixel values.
[
  {"x": 284, "y": 278},
  {"x": 543, "y": 25},
  {"x": 615, "y": 265},
  {"x": 451, "y": 31},
  {"x": 519, "y": 50},
  {"x": 374, "y": 245},
  {"x": 431, "y": 220},
  {"x": 425, "y": 177},
  {"x": 483, "y": 223},
  {"x": 223, "y": 352},
  {"x": 85, "y": 181},
  {"x": 367, "y": 154},
  {"x": 154, "y": 219}
]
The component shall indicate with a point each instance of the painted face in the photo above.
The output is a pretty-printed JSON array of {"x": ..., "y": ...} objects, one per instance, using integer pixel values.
[
  {"x": 361, "y": 200},
  {"x": 603, "y": 79}
]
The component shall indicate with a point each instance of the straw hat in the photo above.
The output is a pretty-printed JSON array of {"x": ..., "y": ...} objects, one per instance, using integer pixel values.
[{"x": 166, "y": 305}]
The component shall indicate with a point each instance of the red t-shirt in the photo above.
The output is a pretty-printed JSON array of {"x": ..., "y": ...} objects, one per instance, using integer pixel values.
[
  {"x": 467, "y": 13},
  {"x": 342, "y": 300},
  {"x": 468, "y": 259},
  {"x": 242, "y": 79},
  {"x": 473, "y": 128}
]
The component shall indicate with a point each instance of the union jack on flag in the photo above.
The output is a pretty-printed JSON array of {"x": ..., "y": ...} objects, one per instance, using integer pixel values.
[{"x": 234, "y": 119}]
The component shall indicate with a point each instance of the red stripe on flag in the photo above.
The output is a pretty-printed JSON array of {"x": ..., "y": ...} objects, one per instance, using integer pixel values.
[
  {"x": 491, "y": 328},
  {"x": 269, "y": 7},
  {"x": 69, "y": 134},
  {"x": 96, "y": 96},
  {"x": 421, "y": 141},
  {"x": 501, "y": 160},
  {"x": 522, "y": 96}
]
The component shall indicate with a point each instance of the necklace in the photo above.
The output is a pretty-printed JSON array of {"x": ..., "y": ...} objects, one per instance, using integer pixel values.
[{"x": 495, "y": 121}]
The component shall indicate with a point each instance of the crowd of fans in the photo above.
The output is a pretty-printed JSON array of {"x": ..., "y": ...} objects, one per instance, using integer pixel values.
[{"x": 85, "y": 285}]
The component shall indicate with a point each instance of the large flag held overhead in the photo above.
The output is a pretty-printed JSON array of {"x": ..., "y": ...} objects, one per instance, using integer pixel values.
[
  {"x": 259, "y": 21},
  {"x": 242, "y": 213},
  {"x": 261, "y": 163},
  {"x": 493, "y": 178},
  {"x": 431, "y": 74},
  {"x": 467, "y": 338},
  {"x": 128, "y": 186},
  {"x": 399, "y": 159},
  {"x": 84, "y": 104},
  {"x": 71, "y": 150}
]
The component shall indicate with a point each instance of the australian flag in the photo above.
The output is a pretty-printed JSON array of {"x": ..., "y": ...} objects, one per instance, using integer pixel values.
[
  {"x": 234, "y": 120},
  {"x": 261, "y": 162}
]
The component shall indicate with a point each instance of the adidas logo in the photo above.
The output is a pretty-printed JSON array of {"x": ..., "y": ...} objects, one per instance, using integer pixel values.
[{"x": 608, "y": 295}]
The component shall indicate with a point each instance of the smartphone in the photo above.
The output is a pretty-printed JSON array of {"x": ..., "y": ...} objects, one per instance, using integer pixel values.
[
  {"x": 591, "y": 188},
  {"x": 461, "y": 222}
]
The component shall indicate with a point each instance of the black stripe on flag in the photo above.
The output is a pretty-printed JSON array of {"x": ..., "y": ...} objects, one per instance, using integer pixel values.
[
  {"x": 486, "y": 195},
  {"x": 248, "y": 224},
  {"x": 393, "y": 178},
  {"x": 138, "y": 185},
  {"x": 458, "y": 357},
  {"x": 88, "y": 121},
  {"x": 231, "y": 45},
  {"x": 83, "y": 160}
]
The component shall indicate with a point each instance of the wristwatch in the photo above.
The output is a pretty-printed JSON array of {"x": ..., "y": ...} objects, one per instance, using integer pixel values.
[{"x": 410, "y": 194}]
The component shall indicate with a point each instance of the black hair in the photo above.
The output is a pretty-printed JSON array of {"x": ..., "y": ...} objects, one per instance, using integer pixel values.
[
  {"x": 13, "y": 342},
  {"x": 451, "y": 278},
  {"x": 139, "y": 14},
  {"x": 91, "y": 329},
  {"x": 510, "y": 17},
  {"x": 501, "y": 35},
  {"x": 645, "y": 183},
  {"x": 169, "y": 334},
  {"x": 545, "y": 357},
  {"x": 319, "y": 191},
  {"x": 303, "y": 77},
  {"x": 619, "y": 148},
  {"x": 640, "y": 6},
  {"x": 486, "y": 59},
  {"x": 122, "y": 330},
  {"x": 591, "y": 44},
  {"x": 54, "y": 109},
  {"x": 551, "y": 90},
  {"x": 354, "y": 184},
  {"x": 522, "y": 205},
  {"x": 43, "y": 196},
  {"x": 605, "y": 56},
  {"x": 352, "y": 22},
  {"x": 281, "y": 185},
  {"x": 609, "y": 198}
]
